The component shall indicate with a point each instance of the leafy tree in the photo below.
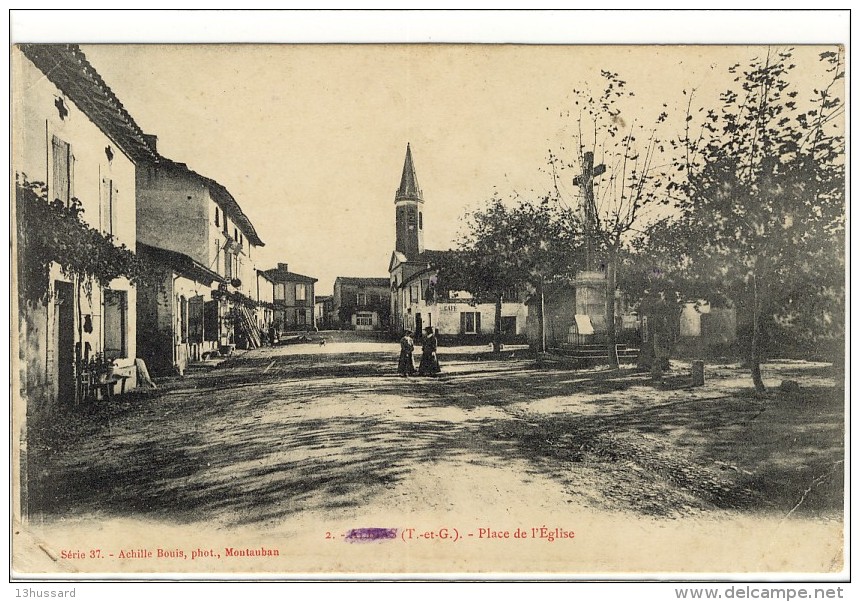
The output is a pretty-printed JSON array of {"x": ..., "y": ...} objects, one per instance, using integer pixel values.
[
  {"x": 504, "y": 248},
  {"x": 762, "y": 198},
  {"x": 613, "y": 208}
]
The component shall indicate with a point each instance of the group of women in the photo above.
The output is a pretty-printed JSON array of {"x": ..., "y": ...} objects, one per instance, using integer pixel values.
[{"x": 429, "y": 365}]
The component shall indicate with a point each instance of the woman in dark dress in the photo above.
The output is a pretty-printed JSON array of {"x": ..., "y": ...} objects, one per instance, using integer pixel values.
[
  {"x": 406, "y": 366},
  {"x": 429, "y": 365}
]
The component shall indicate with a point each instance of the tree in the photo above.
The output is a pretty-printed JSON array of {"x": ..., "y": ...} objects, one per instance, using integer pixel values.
[
  {"x": 762, "y": 196},
  {"x": 616, "y": 207},
  {"x": 505, "y": 248}
]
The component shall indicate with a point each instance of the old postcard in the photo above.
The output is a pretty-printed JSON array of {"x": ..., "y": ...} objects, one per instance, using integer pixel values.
[{"x": 428, "y": 309}]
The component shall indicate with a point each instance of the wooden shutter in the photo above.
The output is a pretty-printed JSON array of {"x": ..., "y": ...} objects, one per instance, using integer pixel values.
[
  {"x": 195, "y": 319},
  {"x": 478, "y": 322},
  {"x": 60, "y": 161},
  {"x": 114, "y": 205},
  {"x": 210, "y": 320},
  {"x": 462, "y": 322}
]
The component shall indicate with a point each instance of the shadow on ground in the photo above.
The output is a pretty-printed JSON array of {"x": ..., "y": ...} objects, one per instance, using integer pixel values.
[{"x": 240, "y": 444}]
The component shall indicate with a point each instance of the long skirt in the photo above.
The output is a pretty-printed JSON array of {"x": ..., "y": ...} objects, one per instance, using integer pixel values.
[
  {"x": 405, "y": 365},
  {"x": 429, "y": 365}
]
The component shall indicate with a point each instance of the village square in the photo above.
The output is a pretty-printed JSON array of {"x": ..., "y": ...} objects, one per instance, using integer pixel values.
[{"x": 657, "y": 339}]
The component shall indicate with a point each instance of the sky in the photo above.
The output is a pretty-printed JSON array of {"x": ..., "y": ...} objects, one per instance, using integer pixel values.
[{"x": 310, "y": 139}]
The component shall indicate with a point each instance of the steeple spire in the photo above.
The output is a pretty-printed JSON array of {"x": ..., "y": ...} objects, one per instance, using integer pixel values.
[{"x": 409, "y": 189}]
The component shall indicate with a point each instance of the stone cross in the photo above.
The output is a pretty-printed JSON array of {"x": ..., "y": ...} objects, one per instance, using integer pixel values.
[{"x": 586, "y": 182}]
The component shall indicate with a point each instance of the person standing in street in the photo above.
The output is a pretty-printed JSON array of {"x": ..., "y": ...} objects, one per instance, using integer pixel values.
[
  {"x": 429, "y": 365},
  {"x": 406, "y": 365}
]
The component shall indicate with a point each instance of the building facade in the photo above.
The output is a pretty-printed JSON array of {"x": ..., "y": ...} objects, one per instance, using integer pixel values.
[
  {"x": 293, "y": 299},
  {"x": 360, "y": 303},
  {"x": 71, "y": 133},
  {"x": 181, "y": 213},
  {"x": 418, "y": 299},
  {"x": 178, "y": 319},
  {"x": 323, "y": 308}
]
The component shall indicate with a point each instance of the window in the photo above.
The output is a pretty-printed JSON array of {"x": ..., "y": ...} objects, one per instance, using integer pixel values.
[
  {"x": 420, "y": 221},
  {"x": 301, "y": 292},
  {"x": 217, "y": 217},
  {"x": 414, "y": 293},
  {"x": 470, "y": 322},
  {"x": 280, "y": 291},
  {"x": 364, "y": 319},
  {"x": 115, "y": 320},
  {"x": 361, "y": 298},
  {"x": 301, "y": 317},
  {"x": 64, "y": 170}
]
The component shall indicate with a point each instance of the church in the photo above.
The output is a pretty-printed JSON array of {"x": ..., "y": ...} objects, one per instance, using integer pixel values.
[{"x": 418, "y": 299}]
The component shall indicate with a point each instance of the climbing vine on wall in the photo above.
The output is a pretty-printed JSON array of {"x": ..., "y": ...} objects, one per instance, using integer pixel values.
[{"x": 53, "y": 232}]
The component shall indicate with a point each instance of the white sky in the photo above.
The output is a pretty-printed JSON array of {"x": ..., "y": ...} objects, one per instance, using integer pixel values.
[{"x": 311, "y": 139}]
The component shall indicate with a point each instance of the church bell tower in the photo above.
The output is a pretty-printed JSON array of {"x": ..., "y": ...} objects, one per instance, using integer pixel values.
[{"x": 409, "y": 202}]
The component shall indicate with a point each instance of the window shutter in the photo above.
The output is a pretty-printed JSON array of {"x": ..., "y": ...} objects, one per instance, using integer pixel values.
[
  {"x": 478, "y": 322},
  {"x": 60, "y": 161},
  {"x": 114, "y": 204},
  {"x": 462, "y": 322},
  {"x": 71, "y": 172}
]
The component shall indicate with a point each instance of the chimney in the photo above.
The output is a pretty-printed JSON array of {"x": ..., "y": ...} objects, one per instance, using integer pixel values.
[
  {"x": 152, "y": 141},
  {"x": 283, "y": 267}
]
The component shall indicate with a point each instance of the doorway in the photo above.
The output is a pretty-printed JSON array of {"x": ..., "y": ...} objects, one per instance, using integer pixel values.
[
  {"x": 418, "y": 326},
  {"x": 64, "y": 325}
]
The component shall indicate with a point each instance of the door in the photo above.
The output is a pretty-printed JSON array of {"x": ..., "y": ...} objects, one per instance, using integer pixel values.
[
  {"x": 419, "y": 331},
  {"x": 64, "y": 323},
  {"x": 115, "y": 324}
]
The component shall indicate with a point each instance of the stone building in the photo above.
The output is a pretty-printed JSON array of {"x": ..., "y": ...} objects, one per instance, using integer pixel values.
[
  {"x": 190, "y": 220},
  {"x": 293, "y": 299},
  {"x": 71, "y": 132},
  {"x": 360, "y": 303}
]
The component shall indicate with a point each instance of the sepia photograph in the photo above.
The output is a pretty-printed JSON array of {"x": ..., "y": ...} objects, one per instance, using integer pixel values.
[{"x": 430, "y": 309}]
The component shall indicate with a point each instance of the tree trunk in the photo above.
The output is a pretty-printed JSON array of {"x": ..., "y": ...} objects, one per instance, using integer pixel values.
[
  {"x": 542, "y": 325},
  {"x": 755, "y": 345},
  {"x": 612, "y": 352},
  {"x": 656, "y": 360},
  {"x": 497, "y": 330}
]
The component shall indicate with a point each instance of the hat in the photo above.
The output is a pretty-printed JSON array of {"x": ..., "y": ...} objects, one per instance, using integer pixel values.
[{"x": 428, "y": 329}]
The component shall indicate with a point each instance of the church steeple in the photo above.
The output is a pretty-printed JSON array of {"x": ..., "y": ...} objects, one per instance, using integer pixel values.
[
  {"x": 409, "y": 189},
  {"x": 410, "y": 220}
]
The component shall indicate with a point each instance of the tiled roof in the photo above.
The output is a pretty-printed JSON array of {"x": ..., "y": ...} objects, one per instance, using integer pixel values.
[
  {"x": 354, "y": 281},
  {"x": 279, "y": 275},
  {"x": 66, "y": 67},
  {"x": 432, "y": 257},
  {"x": 180, "y": 263}
]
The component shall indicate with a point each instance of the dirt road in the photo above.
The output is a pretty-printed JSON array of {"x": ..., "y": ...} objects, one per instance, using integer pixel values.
[{"x": 292, "y": 448}]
